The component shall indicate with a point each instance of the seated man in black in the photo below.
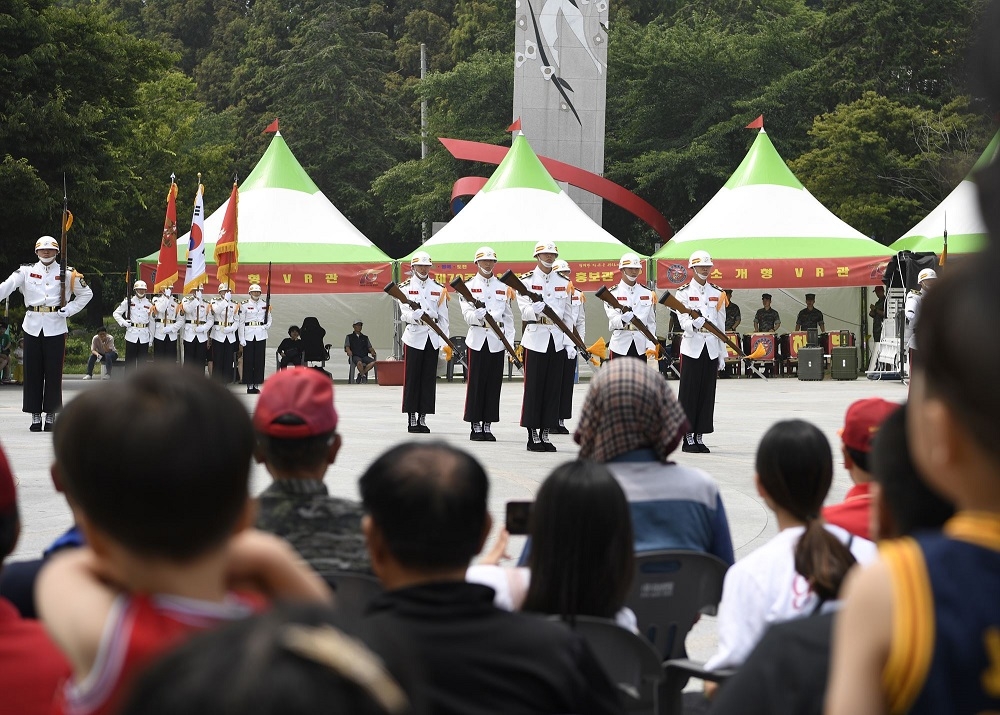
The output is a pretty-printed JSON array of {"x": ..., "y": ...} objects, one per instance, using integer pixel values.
[
  {"x": 290, "y": 351},
  {"x": 426, "y": 518},
  {"x": 360, "y": 351},
  {"x": 810, "y": 317}
]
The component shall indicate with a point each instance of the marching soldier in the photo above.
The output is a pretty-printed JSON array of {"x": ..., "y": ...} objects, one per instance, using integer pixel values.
[
  {"x": 577, "y": 321},
  {"x": 167, "y": 323},
  {"x": 225, "y": 319},
  {"x": 197, "y": 322},
  {"x": 704, "y": 354},
  {"x": 45, "y": 327},
  {"x": 911, "y": 311},
  {"x": 635, "y": 301},
  {"x": 255, "y": 319},
  {"x": 420, "y": 343},
  {"x": 543, "y": 344},
  {"x": 485, "y": 351},
  {"x": 134, "y": 314}
]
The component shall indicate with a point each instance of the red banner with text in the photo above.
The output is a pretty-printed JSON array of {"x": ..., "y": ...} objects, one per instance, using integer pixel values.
[
  {"x": 779, "y": 273},
  {"x": 301, "y": 278}
]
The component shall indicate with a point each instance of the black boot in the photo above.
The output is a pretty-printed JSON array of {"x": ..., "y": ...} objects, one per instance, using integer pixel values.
[
  {"x": 487, "y": 435},
  {"x": 50, "y": 422},
  {"x": 412, "y": 424},
  {"x": 36, "y": 422},
  {"x": 476, "y": 435},
  {"x": 422, "y": 427},
  {"x": 701, "y": 445},
  {"x": 535, "y": 443},
  {"x": 549, "y": 447},
  {"x": 689, "y": 445}
]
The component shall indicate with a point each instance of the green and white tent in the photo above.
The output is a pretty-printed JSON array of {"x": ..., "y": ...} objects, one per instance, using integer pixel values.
[{"x": 959, "y": 213}]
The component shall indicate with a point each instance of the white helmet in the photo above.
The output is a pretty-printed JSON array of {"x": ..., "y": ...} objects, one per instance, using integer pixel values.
[
  {"x": 255, "y": 287},
  {"x": 223, "y": 287},
  {"x": 546, "y": 247},
  {"x": 560, "y": 266},
  {"x": 421, "y": 258},
  {"x": 630, "y": 260},
  {"x": 485, "y": 254},
  {"x": 139, "y": 285},
  {"x": 700, "y": 258},
  {"x": 46, "y": 242},
  {"x": 928, "y": 274}
]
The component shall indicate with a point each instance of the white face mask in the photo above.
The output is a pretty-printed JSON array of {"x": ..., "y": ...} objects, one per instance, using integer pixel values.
[
  {"x": 167, "y": 292},
  {"x": 225, "y": 294},
  {"x": 47, "y": 262},
  {"x": 546, "y": 264},
  {"x": 197, "y": 293}
]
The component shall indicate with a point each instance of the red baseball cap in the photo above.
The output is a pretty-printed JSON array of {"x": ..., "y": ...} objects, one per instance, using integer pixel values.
[
  {"x": 862, "y": 421},
  {"x": 8, "y": 494},
  {"x": 301, "y": 392}
]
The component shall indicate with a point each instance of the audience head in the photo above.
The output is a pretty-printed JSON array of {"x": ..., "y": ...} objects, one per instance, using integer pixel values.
[
  {"x": 794, "y": 472},
  {"x": 861, "y": 424},
  {"x": 582, "y": 547},
  {"x": 293, "y": 660},
  {"x": 904, "y": 503},
  {"x": 426, "y": 505},
  {"x": 175, "y": 483},
  {"x": 293, "y": 331},
  {"x": 629, "y": 406},
  {"x": 102, "y": 331},
  {"x": 296, "y": 422},
  {"x": 10, "y": 524}
]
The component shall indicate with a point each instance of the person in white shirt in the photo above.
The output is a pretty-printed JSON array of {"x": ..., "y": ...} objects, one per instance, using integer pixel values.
[
  {"x": 485, "y": 351},
  {"x": 198, "y": 320},
  {"x": 577, "y": 321},
  {"x": 48, "y": 307},
  {"x": 911, "y": 310},
  {"x": 255, "y": 320},
  {"x": 636, "y": 301},
  {"x": 421, "y": 343},
  {"x": 225, "y": 323},
  {"x": 168, "y": 321},
  {"x": 135, "y": 314}
]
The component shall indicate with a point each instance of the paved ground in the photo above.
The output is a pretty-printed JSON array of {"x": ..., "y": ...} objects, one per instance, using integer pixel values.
[{"x": 370, "y": 421}]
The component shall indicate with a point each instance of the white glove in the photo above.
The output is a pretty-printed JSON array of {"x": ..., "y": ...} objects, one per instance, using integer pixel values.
[
  {"x": 243, "y": 343},
  {"x": 62, "y": 313},
  {"x": 229, "y": 330},
  {"x": 698, "y": 323},
  {"x": 128, "y": 324},
  {"x": 201, "y": 329},
  {"x": 571, "y": 353},
  {"x": 538, "y": 307},
  {"x": 417, "y": 315},
  {"x": 480, "y": 315},
  {"x": 174, "y": 329},
  {"x": 722, "y": 362},
  {"x": 627, "y": 317}
]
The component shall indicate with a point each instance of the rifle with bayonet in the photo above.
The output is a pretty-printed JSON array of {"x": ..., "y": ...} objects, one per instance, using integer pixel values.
[
  {"x": 604, "y": 294},
  {"x": 463, "y": 290},
  {"x": 394, "y": 290},
  {"x": 67, "y": 221}
]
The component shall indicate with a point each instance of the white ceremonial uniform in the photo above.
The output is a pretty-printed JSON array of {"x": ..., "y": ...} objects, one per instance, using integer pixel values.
[
  {"x": 139, "y": 316},
  {"x": 255, "y": 320},
  {"x": 496, "y": 297},
  {"x": 705, "y": 299},
  {"x": 911, "y": 309},
  {"x": 537, "y": 328},
  {"x": 641, "y": 302},
  {"x": 168, "y": 319},
  {"x": 39, "y": 284},
  {"x": 197, "y": 319},
  {"x": 225, "y": 320},
  {"x": 433, "y": 300},
  {"x": 577, "y": 319}
]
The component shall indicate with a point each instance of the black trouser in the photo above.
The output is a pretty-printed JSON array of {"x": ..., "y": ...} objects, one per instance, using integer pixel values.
[
  {"x": 43, "y": 365},
  {"x": 253, "y": 362},
  {"x": 224, "y": 361},
  {"x": 482, "y": 391},
  {"x": 543, "y": 376},
  {"x": 196, "y": 354},
  {"x": 165, "y": 350},
  {"x": 696, "y": 392},
  {"x": 632, "y": 351},
  {"x": 107, "y": 359},
  {"x": 136, "y": 355},
  {"x": 420, "y": 379},
  {"x": 566, "y": 391}
]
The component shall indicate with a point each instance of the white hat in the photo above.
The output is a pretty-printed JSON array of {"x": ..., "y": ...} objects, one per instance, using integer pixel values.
[
  {"x": 560, "y": 265},
  {"x": 139, "y": 284},
  {"x": 46, "y": 242},
  {"x": 700, "y": 258},
  {"x": 485, "y": 254},
  {"x": 223, "y": 286},
  {"x": 630, "y": 260},
  {"x": 254, "y": 287},
  {"x": 546, "y": 247},
  {"x": 928, "y": 274},
  {"x": 421, "y": 258}
]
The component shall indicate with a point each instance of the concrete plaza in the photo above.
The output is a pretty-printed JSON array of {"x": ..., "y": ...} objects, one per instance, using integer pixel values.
[{"x": 370, "y": 422}]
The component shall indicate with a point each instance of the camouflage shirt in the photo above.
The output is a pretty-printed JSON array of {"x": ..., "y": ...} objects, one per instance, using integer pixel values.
[
  {"x": 732, "y": 316},
  {"x": 325, "y": 530}
]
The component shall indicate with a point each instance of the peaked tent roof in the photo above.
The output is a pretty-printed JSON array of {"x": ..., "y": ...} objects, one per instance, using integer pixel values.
[
  {"x": 959, "y": 213},
  {"x": 763, "y": 228},
  {"x": 519, "y": 206}
]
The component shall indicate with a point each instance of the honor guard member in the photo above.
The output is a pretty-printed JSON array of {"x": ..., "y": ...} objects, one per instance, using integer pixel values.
[
  {"x": 134, "y": 314},
  {"x": 420, "y": 343},
  {"x": 911, "y": 311},
  {"x": 255, "y": 320},
  {"x": 704, "y": 354},
  {"x": 168, "y": 321},
  {"x": 543, "y": 342},
  {"x": 485, "y": 351},
  {"x": 198, "y": 320},
  {"x": 635, "y": 301},
  {"x": 45, "y": 327},
  {"x": 578, "y": 320},
  {"x": 225, "y": 317}
]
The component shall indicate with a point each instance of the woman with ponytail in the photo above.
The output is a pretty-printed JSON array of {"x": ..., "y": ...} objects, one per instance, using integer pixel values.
[{"x": 802, "y": 567}]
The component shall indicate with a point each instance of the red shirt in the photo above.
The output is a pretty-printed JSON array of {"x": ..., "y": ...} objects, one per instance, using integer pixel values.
[
  {"x": 31, "y": 667},
  {"x": 140, "y": 628},
  {"x": 852, "y": 513}
]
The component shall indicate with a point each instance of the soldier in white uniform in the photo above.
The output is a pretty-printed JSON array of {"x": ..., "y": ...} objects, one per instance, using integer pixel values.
[
  {"x": 198, "y": 320},
  {"x": 45, "y": 327},
  {"x": 255, "y": 319},
  {"x": 911, "y": 312},
  {"x": 134, "y": 314},
  {"x": 168, "y": 321},
  {"x": 578, "y": 320},
  {"x": 636, "y": 301},
  {"x": 704, "y": 354},
  {"x": 543, "y": 342},
  {"x": 485, "y": 351},
  {"x": 420, "y": 343},
  {"x": 225, "y": 323}
]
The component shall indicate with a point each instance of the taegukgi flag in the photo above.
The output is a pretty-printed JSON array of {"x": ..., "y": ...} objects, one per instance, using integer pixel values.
[{"x": 196, "y": 276}]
